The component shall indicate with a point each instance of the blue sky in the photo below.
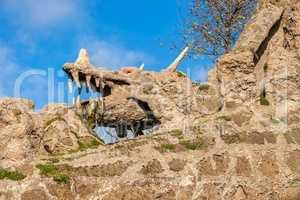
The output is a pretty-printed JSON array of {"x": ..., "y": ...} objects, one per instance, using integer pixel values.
[{"x": 40, "y": 36}]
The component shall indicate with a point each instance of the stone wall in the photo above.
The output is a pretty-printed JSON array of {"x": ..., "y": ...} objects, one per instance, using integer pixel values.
[{"x": 169, "y": 166}]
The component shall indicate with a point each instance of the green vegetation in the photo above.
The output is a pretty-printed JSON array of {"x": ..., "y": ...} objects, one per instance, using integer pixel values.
[
  {"x": 51, "y": 170},
  {"x": 263, "y": 100},
  {"x": 196, "y": 144},
  {"x": 167, "y": 146},
  {"x": 11, "y": 175},
  {"x": 47, "y": 169},
  {"x": 90, "y": 145},
  {"x": 61, "y": 178},
  {"x": 203, "y": 87},
  {"x": 265, "y": 67}
]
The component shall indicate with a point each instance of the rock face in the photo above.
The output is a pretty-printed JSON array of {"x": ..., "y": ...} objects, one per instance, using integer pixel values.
[
  {"x": 62, "y": 129},
  {"x": 24, "y": 134},
  {"x": 237, "y": 137},
  {"x": 16, "y": 129},
  {"x": 265, "y": 68},
  {"x": 265, "y": 59}
]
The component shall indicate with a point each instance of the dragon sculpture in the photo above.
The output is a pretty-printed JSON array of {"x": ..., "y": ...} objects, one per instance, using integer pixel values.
[{"x": 136, "y": 100}]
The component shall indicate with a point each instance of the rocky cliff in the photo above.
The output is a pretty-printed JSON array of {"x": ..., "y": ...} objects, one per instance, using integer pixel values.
[{"x": 238, "y": 137}]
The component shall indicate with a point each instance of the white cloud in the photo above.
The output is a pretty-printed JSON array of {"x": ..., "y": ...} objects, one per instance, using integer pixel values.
[
  {"x": 41, "y": 12},
  {"x": 113, "y": 55}
]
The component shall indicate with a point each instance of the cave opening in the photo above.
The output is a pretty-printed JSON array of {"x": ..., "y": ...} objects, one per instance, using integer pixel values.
[{"x": 90, "y": 106}]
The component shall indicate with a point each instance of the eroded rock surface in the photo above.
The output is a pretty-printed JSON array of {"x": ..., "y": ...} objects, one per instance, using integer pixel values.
[{"x": 236, "y": 138}]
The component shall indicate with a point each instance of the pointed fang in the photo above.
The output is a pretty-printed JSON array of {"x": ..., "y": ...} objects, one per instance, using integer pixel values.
[
  {"x": 88, "y": 82},
  {"x": 97, "y": 82},
  {"x": 75, "y": 76}
]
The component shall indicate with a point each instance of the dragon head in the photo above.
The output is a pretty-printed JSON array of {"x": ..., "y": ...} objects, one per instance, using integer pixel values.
[{"x": 134, "y": 99}]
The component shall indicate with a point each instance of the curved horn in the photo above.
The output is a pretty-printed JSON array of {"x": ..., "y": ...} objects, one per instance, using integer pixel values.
[
  {"x": 83, "y": 58},
  {"x": 142, "y": 66},
  {"x": 178, "y": 60}
]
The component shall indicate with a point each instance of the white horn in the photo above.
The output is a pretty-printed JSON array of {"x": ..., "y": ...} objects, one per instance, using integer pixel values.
[
  {"x": 177, "y": 61},
  {"x": 75, "y": 76},
  {"x": 142, "y": 66},
  {"x": 83, "y": 58}
]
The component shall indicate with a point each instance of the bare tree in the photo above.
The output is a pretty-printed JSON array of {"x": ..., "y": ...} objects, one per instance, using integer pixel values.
[{"x": 213, "y": 26}]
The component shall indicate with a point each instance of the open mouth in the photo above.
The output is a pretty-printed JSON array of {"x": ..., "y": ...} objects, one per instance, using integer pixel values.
[{"x": 113, "y": 113}]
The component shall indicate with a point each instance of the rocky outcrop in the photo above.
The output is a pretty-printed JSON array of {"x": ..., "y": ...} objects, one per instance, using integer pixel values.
[
  {"x": 62, "y": 130},
  {"x": 24, "y": 134},
  {"x": 261, "y": 73},
  {"x": 255, "y": 65},
  {"x": 17, "y": 136},
  {"x": 235, "y": 137}
]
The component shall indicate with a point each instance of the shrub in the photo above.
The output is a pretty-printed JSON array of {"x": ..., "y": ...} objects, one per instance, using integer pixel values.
[
  {"x": 91, "y": 145},
  {"x": 51, "y": 170},
  {"x": 47, "y": 169},
  {"x": 11, "y": 175},
  {"x": 168, "y": 146},
  {"x": 263, "y": 100},
  {"x": 61, "y": 178},
  {"x": 193, "y": 144},
  {"x": 203, "y": 87}
]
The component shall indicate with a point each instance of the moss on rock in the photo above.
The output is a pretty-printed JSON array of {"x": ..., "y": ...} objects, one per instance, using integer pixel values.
[{"x": 11, "y": 175}]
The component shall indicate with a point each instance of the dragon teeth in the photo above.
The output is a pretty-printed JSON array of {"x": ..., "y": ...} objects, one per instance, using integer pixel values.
[
  {"x": 75, "y": 76},
  {"x": 88, "y": 82},
  {"x": 97, "y": 82}
]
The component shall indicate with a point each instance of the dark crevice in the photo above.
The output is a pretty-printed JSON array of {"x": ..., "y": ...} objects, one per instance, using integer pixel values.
[
  {"x": 137, "y": 127},
  {"x": 263, "y": 46},
  {"x": 145, "y": 106},
  {"x": 122, "y": 128}
]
